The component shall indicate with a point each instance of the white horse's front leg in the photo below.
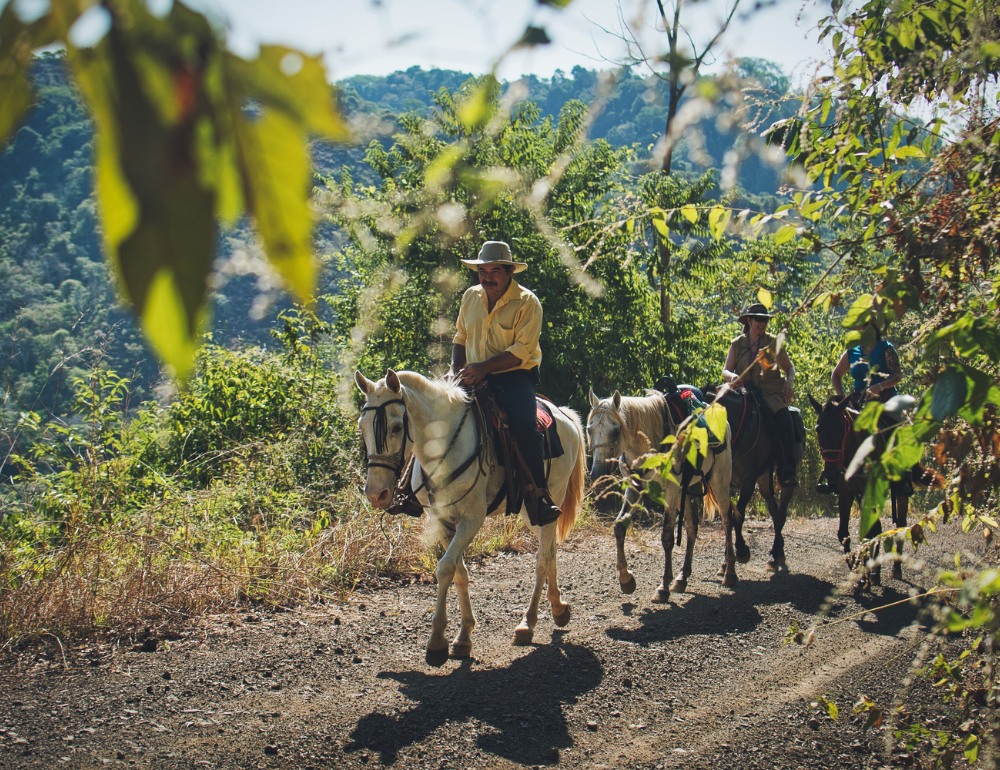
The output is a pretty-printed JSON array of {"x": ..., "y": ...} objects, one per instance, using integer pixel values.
[
  {"x": 448, "y": 566},
  {"x": 461, "y": 646},
  {"x": 560, "y": 609},
  {"x": 543, "y": 564}
]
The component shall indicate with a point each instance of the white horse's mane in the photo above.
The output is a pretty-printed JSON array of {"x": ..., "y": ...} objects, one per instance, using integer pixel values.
[
  {"x": 444, "y": 387},
  {"x": 638, "y": 414}
]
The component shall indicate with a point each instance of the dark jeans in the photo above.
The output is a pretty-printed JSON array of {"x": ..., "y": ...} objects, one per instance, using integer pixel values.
[{"x": 515, "y": 393}]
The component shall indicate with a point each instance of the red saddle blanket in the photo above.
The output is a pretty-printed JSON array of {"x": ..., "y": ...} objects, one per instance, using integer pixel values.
[{"x": 552, "y": 446}]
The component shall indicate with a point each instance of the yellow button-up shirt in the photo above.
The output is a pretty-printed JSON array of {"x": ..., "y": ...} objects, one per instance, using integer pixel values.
[{"x": 514, "y": 325}]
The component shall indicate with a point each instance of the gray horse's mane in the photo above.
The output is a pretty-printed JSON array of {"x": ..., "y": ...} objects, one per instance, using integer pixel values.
[
  {"x": 445, "y": 387},
  {"x": 639, "y": 414}
]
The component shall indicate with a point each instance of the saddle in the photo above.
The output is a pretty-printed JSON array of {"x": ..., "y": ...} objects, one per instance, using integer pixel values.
[{"x": 518, "y": 487}]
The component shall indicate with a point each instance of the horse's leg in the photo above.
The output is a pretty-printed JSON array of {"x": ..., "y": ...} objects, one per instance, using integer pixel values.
[
  {"x": 845, "y": 501},
  {"x": 731, "y": 578},
  {"x": 437, "y": 646},
  {"x": 902, "y": 511},
  {"x": 625, "y": 578},
  {"x": 662, "y": 595},
  {"x": 779, "y": 515},
  {"x": 461, "y": 645},
  {"x": 691, "y": 527},
  {"x": 560, "y": 609},
  {"x": 873, "y": 564},
  {"x": 544, "y": 562},
  {"x": 739, "y": 516}
]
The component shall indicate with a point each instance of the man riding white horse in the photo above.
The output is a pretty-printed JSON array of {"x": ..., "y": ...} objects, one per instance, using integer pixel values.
[{"x": 497, "y": 343}]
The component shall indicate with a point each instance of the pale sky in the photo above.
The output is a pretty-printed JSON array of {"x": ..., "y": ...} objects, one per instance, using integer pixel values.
[{"x": 381, "y": 36}]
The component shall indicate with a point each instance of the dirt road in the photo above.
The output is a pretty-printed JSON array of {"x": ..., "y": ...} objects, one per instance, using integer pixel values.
[{"x": 704, "y": 681}]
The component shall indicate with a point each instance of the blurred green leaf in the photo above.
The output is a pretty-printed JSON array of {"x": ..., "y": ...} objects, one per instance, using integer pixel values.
[
  {"x": 17, "y": 44},
  {"x": 876, "y": 493},
  {"x": 715, "y": 419},
  {"x": 859, "y": 313},
  {"x": 718, "y": 221},
  {"x": 532, "y": 36},
  {"x": 950, "y": 391},
  {"x": 476, "y": 108}
]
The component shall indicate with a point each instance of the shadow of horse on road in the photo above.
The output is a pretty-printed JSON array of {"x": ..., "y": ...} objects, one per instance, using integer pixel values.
[{"x": 522, "y": 702}]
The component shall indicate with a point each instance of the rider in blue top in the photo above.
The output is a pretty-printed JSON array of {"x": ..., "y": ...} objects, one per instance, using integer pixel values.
[
  {"x": 876, "y": 372},
  {"x": 874, "y": 369}
]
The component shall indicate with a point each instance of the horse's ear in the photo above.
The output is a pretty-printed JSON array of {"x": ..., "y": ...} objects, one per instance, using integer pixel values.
[
  {"x": 617, "y": 398},
  {"x": 392, "y": 380},
  {"x": 816, "y": 404},
  {"x": 363, "y": 383},
  {"x": 594, "y": 400}
]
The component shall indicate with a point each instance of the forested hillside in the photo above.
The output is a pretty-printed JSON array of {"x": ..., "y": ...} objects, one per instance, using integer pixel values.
[{"x": 58, "y": 312}]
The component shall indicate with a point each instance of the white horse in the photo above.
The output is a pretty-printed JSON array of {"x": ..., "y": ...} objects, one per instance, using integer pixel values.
[
  {"x": 630, "y": 425},
  {"x": 457, "y": 476}
]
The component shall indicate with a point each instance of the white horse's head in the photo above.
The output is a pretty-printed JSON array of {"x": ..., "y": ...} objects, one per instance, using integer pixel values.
[
  {"x": 605, "y": 429},
  {"x": 383, "y": 426}
]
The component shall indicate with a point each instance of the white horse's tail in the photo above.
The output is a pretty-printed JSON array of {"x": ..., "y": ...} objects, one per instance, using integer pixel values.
[
  {"x": 712, "y": 503},
  {"x": 574, "y": 488}
]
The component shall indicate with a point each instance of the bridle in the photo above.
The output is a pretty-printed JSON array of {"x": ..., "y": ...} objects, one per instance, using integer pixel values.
[
  {"x": 609, "y": 444},
  {"x": 835, "y": 455},
  {"x": 393, "y": 463}
]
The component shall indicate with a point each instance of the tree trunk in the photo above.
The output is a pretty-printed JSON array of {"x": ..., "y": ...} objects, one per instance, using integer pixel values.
[
  {"x": 663, "y": 247},
  {"x": 663, "y": 244}
]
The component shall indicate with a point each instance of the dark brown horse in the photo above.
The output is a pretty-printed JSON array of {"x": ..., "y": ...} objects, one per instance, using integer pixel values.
[
  {"x": 755, "y": 455},
  {"x": 839, "y": 442}
]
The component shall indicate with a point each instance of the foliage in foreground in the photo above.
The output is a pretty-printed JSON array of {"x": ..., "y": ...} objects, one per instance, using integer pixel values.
[{"x": 915, "y": 203}]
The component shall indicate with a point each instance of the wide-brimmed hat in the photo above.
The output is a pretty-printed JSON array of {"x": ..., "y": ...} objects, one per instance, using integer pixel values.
[
  {"x": 756, "y": 310},
  {"x": 495, "y": 253}
]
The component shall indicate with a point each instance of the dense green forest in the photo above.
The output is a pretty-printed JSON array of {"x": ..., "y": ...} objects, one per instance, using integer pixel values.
[{"x": 59, "y": 314}]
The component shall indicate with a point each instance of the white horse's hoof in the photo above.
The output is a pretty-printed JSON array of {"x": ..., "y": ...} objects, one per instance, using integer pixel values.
[
  {"x": 679, "y": 586},
  {"x": 522, "y": 636},
  {"x": 730, "y": 580},
  {"x": 562, "y": 619},
  {"x": 463, "y": 650},
  {"x": 629, "y": 587},
  {"x": 436, "y": 658}
]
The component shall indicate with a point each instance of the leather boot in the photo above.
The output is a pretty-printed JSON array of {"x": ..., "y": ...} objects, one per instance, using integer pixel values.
[{"x": 541, "y": 509}]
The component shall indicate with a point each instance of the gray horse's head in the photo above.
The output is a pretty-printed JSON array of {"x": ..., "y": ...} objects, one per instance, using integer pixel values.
[{"x": 605, "y": 426}]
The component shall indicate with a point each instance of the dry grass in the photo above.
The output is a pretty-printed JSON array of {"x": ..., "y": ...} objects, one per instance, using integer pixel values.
[
  {"x": 105, "y": 580},
  {"x": 172, "y": 565}
]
